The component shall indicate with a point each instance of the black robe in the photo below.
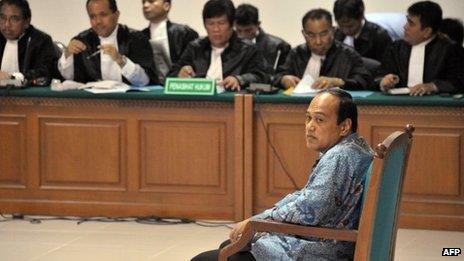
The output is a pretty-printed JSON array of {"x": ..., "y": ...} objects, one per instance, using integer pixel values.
[
  {"x": 269, "y": 45},
  {"x": 36, "y": 55},
  {"x": 239, "y": 59},
  {"x": 179, "y": 36},
  {"x": 131, "y": 43},
  {"x": 372, "y": 41},
  {"x": 341, "y": 61},
  {"x": 443, "y": 65}
]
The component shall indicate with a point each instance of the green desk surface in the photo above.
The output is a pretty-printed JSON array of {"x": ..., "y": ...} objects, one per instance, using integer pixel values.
[
  {"x": 81, "y": 94},
  {"x": 376, "y": 98}
]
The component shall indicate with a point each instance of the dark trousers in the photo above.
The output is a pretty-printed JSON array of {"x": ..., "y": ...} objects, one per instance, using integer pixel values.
[{"x": 213, "y": 255}]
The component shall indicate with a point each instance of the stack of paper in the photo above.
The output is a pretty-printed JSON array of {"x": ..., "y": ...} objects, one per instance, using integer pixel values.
[{"x": 304, "y": 87}]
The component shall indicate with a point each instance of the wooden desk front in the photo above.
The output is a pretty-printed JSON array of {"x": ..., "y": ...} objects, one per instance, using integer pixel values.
[{"x": 74, "y": 153}]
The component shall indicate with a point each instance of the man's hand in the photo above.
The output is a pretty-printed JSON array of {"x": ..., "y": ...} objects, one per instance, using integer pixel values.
[
  {"x": 237, "y": 231},
  {"x": 111, "y": 50},
  {"x": 4, "y": 75},
  {"x": 230, "y": 82},
  {"x": 389, "y": 81},
  {"x": 186, "y": 72},
  {"x": 289, "y": 81},
  {"x": 327, "y": 82},
  {"x": 423, "y": 89},
  {"x": 74, "y": 47}
]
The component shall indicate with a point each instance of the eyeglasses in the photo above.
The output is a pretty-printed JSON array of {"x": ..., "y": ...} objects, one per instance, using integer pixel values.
[
  {"x": 312, "y": 36},
  {"x": 14, "y": 19}
]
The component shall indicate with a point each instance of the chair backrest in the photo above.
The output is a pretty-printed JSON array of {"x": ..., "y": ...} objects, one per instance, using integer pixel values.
[
  {"x": 378, "y": 223},
  {"x": 59, "y": 48}
]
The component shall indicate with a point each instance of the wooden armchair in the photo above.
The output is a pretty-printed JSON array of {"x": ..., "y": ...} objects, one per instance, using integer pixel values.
[{"x": 376, "y": 234}]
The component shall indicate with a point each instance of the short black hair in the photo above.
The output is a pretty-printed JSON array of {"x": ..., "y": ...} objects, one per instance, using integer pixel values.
[
  {"x": 215, "y": 8},
  {"x": 247, "y": 14},
  {"x": 453, "y": 28},
  {"x": 317, "y": 14},
  {"x": 429, "y": 13},
  {"x": 352, "y": 9},
  {"x": 112, "y": 3},
  {"x": 347, "y": 109},
  {"x": 21, "y": 4}
]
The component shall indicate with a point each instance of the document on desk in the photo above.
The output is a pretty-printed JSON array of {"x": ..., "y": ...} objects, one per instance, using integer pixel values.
[
  {"x": 303, "y": 88},
  {"x": 399, "y": 91}
]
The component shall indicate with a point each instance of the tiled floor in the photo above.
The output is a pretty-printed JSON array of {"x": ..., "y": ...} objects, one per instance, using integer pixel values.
[{"x": 66, "y": 240}]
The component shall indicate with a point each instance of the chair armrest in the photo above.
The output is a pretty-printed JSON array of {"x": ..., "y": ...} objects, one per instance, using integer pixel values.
[{"x": 255, "y": 226}]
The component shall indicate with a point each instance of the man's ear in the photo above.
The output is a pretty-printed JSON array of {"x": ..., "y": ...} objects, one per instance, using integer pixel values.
[
  {"x": 166, "y": 6},
  {"x": 428, "y": 32},
  {"x": 345, "y": 127}
]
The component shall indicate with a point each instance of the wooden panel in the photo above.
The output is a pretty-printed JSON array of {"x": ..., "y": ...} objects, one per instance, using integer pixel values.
[
  {"x": 285, "y": 129},
  {"x": 433, "y": 193},
  {"x": 281, "y": 136},
  {"x": 12, "y": 151},
  {"x": 183, "y": 157},
  {"x": 82, "y": 154},
  {"x": 427, "y": 161}
]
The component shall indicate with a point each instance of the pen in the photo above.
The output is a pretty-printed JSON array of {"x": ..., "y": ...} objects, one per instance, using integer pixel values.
[{"x": 93, "y": 54}]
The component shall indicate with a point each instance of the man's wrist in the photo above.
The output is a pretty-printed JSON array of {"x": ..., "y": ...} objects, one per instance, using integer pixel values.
[{"x": 122, "y": 60}]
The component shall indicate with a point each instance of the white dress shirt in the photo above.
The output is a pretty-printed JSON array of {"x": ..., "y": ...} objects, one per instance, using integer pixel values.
[
  {"x": 416, "y": 63},
  {"x": 110, "y": 70}
]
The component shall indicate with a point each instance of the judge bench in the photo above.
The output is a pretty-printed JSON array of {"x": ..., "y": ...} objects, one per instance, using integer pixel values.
[{"x": 205, "y": 157}]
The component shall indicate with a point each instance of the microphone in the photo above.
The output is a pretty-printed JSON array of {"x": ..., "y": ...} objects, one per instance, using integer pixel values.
[{"x": 276, "y": 62}]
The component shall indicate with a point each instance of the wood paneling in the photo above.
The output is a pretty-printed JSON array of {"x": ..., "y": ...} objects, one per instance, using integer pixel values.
[
  {"x": 94, "y": 157},
  {"x": 197, "y": 159},
  {"x": 80, "y": 153},
  {"x": 285, "y": 132},
  {"x": 183, "y": 156},
  {"x": 434, "y": 187},
  {"x": 12, "y": 151}
]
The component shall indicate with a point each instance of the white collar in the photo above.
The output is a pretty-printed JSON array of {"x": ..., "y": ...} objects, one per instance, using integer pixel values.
[
  {"x": 219, "y": 50},
  {"x": 317, "y": 57},
  {"x": 15, "y": 41},
  {"x": 155, "y": 26},
  {"x": 424, "y": 43},
  {"x": 113, "y": 37}
]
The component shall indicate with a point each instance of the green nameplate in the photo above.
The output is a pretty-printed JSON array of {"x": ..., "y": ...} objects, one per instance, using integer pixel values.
[{"x": 190, "y": 86}]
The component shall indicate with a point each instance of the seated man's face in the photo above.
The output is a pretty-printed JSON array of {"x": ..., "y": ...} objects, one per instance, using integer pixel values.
[
  {"x": 350, "y": 26},
  {"x": 155, "y": 9},
  {"x": 322, "y": 130},
  {"x": 12, "y": 22},
  {"x": 247, "y": 31},
  {"x": 413, "y": 31},
  {"x": 319, "y": 35},
  {"x": 219, "y": 30},
  {"x": 102, "y": 19}
]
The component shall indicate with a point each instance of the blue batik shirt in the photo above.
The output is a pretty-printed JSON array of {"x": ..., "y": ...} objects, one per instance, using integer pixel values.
[{"x": 331, "y": 198}]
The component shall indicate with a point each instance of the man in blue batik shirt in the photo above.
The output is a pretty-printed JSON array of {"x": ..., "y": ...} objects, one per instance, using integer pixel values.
[{"x": 332, "y": 196}]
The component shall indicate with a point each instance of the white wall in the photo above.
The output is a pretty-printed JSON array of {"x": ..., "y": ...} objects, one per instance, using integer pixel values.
[{"x": 63, "y": 19}]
